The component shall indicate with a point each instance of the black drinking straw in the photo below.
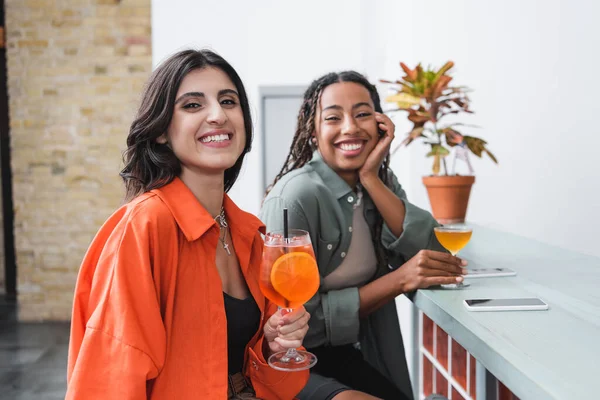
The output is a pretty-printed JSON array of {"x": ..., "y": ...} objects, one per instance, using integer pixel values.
[{"x": 285, "y": 226}]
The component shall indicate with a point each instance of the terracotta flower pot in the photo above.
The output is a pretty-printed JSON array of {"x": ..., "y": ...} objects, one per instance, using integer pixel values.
[{"x": 449, "y": 197}]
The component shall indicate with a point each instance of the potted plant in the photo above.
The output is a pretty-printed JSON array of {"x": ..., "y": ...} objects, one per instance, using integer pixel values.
[{"x": 428, "y": 98}]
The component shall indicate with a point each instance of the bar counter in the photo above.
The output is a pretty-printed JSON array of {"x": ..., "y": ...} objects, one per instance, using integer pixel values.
[{"x": 553, "y": 354}]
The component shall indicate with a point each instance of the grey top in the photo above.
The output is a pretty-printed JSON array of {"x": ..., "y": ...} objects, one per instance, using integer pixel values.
[
  {"x": 321, "y": 202},
  {"x": 549, "y": 354},
  {"x": 360, "y": 264}
]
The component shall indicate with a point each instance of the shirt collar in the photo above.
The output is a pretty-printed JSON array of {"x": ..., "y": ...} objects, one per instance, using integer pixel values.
[
  {"x": 193, "y": 219},
  {"x": 336, "y": 184}
]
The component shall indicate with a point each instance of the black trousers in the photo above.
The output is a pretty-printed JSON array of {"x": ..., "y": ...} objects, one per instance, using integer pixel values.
[{"x": 347, "y": 365}]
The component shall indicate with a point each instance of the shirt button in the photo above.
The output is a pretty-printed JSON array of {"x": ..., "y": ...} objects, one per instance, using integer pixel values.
[
  {"x": 343, "y": 254},
  {"x": 329, "y": 246},
  {"x": 350, "y": 229},
  {"x": 350, "y": 199},
  {"x": 254, "y": 365}
]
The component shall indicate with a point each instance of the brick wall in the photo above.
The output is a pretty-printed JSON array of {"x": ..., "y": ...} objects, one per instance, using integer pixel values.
[{"x": 76, "y": 69}]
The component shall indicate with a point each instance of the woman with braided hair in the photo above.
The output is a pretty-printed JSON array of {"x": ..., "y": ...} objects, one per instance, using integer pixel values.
[{"x": 371, "y": 244}]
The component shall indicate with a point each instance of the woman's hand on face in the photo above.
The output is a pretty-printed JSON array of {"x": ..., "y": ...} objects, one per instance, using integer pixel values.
[
  {"x": 429, "y": 268},
  {"x": 370, "y": 168},
  {"x": 285, "y": 330}
]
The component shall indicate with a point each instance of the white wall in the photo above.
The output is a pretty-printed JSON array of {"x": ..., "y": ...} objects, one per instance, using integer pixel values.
[{"x": 533, "y": 67}]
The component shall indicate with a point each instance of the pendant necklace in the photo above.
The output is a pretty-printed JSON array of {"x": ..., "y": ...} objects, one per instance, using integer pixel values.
[{"x": 220, "y": 219}]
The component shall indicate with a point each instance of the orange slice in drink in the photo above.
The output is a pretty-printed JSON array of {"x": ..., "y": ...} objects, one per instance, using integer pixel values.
[{"x": 295, "y": 276}]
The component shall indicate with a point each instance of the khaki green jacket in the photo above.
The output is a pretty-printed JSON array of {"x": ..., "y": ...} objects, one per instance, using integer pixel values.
[{"x": 321, "y": 202}]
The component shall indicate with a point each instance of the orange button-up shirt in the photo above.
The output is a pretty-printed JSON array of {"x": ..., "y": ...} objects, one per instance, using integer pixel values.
[{"x": 148, "y": 316}]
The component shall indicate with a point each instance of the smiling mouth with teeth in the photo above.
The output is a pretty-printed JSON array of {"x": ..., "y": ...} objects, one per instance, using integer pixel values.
[
  {"x": 351, "y": 146},
  {"x": 215, "y": 138}
]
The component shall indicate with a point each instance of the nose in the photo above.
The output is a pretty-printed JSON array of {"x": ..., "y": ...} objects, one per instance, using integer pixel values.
[
  {"x": 216, "y": 115},
  {"x": 349, "y": 127}
]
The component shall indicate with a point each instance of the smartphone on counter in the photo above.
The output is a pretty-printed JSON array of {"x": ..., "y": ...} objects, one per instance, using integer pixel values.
[
  {"x": 489, "y": 272},
  {"x": 514, "y": 304}
]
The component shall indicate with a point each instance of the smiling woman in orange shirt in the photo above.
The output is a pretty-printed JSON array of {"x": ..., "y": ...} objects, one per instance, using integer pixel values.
[{"x": 167, "y": 304}]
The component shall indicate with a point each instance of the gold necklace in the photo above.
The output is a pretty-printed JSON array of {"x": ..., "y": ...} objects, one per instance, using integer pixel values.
[{"x": 220, "y": 219}]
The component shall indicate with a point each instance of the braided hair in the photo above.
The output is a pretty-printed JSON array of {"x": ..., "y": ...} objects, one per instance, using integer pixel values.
[{"x": 301, "y": 150}]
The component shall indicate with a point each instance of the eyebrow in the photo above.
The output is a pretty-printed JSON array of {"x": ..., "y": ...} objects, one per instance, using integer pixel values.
[
  {"x": 336, "y": 107},
  {"x": 200, "y": 94}
]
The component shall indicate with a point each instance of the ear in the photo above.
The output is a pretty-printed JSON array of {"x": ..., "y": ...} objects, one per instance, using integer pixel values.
[{"x": 162, "y": 139}]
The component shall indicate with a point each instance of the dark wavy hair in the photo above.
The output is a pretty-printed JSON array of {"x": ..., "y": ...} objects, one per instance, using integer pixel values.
[
  {"x": 151, "y": 165},
  {"x": 301, "y": 150}
]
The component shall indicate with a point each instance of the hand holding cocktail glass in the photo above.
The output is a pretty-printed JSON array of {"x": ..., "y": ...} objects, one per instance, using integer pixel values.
[
  {"x": 454, "y": 238},
  {"x": 289, "y": 277}
]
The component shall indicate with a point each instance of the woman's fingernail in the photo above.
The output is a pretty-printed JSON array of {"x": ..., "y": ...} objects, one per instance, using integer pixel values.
[
  {"x": 463, "y": 262},
  {"x": 459, "y": 279},
  {"x": 464, "y": 271}
]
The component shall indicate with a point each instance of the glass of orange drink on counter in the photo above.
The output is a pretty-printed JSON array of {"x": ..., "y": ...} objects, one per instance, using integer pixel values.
[{"x": 454, "y": 238}]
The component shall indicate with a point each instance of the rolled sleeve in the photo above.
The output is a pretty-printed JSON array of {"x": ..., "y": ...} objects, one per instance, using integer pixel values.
[
  {"x": 417, "y": 232},
  {"x": 340, "y": 308}
]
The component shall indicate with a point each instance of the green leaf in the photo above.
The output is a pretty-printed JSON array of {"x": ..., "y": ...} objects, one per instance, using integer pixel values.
[
  {"x": 491, "y": 156},
  {"x": 412, "y": 135},
  {"x": 477, "y": 146},
  {"x": 453, "y": 137},
  {"x": 475, "y": 139},
  {"x": 436, "y": 165},
  {"x": 403, "y": 100},
  {"x": 461, "y": 124},
  {"x": 437, "y": 150},
  {"x": 416, "y": 132},
  {"x": 418, "y": 117}
]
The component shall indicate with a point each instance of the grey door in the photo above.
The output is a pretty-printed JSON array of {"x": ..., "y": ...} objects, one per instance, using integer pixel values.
[{"x": 279, "y": 112}]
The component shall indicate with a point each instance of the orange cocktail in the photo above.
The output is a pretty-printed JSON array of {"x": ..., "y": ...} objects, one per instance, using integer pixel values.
[
  {"x": 289, "y": 277},
  {"x": 289, "y": 274},
  {"x": 453, "y": 238}
]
